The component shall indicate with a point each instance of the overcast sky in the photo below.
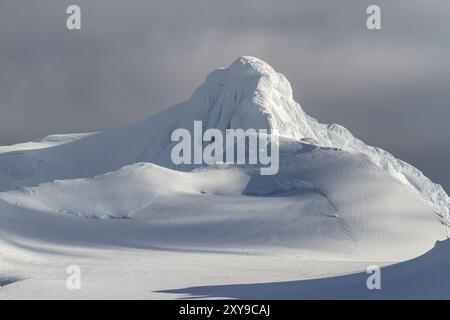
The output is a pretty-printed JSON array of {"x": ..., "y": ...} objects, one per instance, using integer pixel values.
[{"x": 132, "y": 58}]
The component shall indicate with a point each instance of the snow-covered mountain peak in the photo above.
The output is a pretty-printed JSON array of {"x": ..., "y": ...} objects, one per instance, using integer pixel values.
[
  {"x": 251, "y": 94},
  {"x": 246, "y": 78},
  {"x": 247, "y": 94}
]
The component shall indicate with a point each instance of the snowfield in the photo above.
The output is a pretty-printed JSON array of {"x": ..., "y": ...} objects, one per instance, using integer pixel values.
[{"x": 139, "y": 226}]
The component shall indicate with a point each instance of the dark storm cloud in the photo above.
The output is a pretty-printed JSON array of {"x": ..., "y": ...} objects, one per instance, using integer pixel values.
[{"x": 133, "y": 58}]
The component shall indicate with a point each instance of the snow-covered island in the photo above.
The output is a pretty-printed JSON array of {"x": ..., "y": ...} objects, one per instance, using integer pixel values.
[{"x": 140, "y": 226}]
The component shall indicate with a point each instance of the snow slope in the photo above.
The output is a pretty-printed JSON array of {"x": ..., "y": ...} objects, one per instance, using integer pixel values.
[
  {"x": 423, "y": 278},
  {"x": 321, "y": 199},
  {"x": 119, "y": 261}
]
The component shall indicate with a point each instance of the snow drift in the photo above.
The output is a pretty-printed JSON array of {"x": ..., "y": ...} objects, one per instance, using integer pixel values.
[{"x": 423, "y": 278}]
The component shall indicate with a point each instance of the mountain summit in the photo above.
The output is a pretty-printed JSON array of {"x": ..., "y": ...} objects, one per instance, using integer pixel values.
[{"x": 251, "y": 94}]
